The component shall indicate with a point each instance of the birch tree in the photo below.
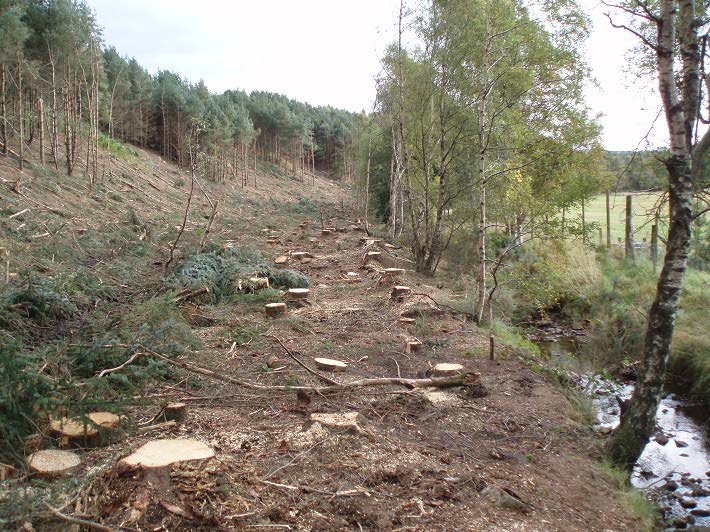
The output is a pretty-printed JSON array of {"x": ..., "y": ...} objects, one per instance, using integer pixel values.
[{"x": 675, "y": 33}]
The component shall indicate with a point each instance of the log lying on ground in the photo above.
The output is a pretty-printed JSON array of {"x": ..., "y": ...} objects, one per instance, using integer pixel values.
[
  {"x": 186, "y": 294},
  {"x": 52, "y": 462},
  {"x": 175, "y": 412},
  {"x": 297, "y": 294},
  {"x": 161, "y": 453},
  {"x": 275, "y": 310},
  {"x": 462, "y": 379},
  {"x": 330, "y": 364},
  {"x": 446, "y": 370}
]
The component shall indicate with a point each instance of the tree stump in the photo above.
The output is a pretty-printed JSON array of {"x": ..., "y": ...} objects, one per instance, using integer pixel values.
[
  {"x": 272, "y": 240},
  {"x": 6, "y": 471},
  {"x": 72, "y": 430},
  {"x": 394, "y": 272},
  {"x": 400, "y": 292},
  {"x": 283, "y": 259},
  {"x": 413, "y": 346},
  {"x": 175, "y": 412},
  {"x": 301, "y": 255},
  {"x": 258, "y": 283},
  {"x": 407, "y": 321},
  {"x": 330, "y": 364},
  {"x": 326, "y": 232},
  {"x": 52, "y": 462},
  {"x": 161, "y": 453},
  {"x": 446, "y": 370},
  {"x": 297, "y": 294},
  {"x": 371, "y": 256},
  {"x": 275, "y": 310}
]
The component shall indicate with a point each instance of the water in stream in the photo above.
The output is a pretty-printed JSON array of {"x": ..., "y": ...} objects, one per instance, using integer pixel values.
[{"x": 675, "y": 463}]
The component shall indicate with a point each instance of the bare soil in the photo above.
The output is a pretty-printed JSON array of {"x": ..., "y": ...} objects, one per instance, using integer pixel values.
[{"x": 421, "y": 458}]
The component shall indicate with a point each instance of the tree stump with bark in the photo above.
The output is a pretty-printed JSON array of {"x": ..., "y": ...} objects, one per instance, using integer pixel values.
[
  {"x": 328, "y": 364},
  {"x": 399, "y": 292},
  {"x": 413, "y": 346},
  {"x": 283, "y": 259},
  {"x": 51, "y": 463},
  {"x": 175, "y": 412},
  {"x": 297, "y": 294},
  {"x": 275, "y": 310},
  {"x": 446, "y": 370},
  {"x": 160, "y": 453}
]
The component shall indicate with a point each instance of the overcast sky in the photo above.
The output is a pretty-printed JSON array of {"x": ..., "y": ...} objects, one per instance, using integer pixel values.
[{"x": 326, "y": 52}]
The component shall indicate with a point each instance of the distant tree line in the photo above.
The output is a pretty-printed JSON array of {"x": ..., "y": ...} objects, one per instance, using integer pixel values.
[
  {"x": 62, "y": 95},
  {"x": 631, "y": 171}
]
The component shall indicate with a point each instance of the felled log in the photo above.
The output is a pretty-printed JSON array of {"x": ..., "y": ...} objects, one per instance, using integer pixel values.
[
  {"x": 462, "y": 379},
  {"x": 161, "y": 453},
  {"x": 275, "y": 310},
  {"x": 52, "y": 462},
  {"x": 330, "y": 364}
]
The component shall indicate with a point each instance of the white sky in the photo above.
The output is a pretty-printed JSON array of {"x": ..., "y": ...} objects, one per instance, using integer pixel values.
[{"x": 326, "y": 52}]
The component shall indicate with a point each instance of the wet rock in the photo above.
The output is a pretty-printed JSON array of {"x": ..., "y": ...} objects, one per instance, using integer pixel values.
[
  {"x": 696, "y": 528},
  {"x": 687, "y": 502},
  {"x": 700, "y": 512},
  {"x": 699, "y": 491},
  {"x": 661, "y": 439},
  {"x": 680, "y": 443},
  {"x": 679, "y": 522},
  {"x": 671, "y": 485}
]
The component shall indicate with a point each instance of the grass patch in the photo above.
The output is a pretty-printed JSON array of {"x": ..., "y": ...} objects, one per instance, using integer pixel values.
[{"x": 639, "y": 506}]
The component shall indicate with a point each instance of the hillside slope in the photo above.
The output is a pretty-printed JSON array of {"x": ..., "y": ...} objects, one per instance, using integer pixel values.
[{"x": 507, "y": 452}]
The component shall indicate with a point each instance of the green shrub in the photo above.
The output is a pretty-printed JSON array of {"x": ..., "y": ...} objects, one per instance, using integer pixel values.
[
  {"x": 289, "y": 279},
  {"x": 23, "y": 391}
]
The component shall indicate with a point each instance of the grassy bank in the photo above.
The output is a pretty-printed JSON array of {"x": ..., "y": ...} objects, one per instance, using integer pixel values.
[{"x": 614, "y": 295}]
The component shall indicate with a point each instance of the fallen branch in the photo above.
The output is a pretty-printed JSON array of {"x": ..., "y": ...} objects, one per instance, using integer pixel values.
[
  {"x": 75, "y": 520},
  {"x": 118, "y": 368},
  {"x": 158, "y": 426},
  {"x": 463, "y": 379},
  {"x": 184, "y": 219},
  {"x": 187, "y": 294}
]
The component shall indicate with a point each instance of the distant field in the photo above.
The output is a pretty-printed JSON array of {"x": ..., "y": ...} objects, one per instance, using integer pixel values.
[{"x": 643, "y": 205}]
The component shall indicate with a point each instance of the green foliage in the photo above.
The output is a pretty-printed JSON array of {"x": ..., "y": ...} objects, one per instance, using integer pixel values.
[
  {"x": 222, "y": 271},
  {"x": 23, "y": 391},
  {"x": 117, "y": 149},
  {"x": 289, "y": 279},
  {"x": 640, "y": 506}
]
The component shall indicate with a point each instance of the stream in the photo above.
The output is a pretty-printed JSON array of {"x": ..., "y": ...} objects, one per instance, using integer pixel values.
[{"x": 675, "y": 464}]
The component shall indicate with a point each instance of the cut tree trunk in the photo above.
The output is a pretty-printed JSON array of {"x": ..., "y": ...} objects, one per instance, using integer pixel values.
[
  {"x": 297, "y": 294},
  {"x": 175, "y": 412},
  {"x": 446, "y": 370}
]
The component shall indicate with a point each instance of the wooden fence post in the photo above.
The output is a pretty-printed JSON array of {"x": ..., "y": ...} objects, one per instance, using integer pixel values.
[
  {"x": 629, "y": 236},
  {"x": 608, "y": 221}
]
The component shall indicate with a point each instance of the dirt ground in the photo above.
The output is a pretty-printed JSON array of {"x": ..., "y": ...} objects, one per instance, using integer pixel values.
[{"x": 509, "y": 453}]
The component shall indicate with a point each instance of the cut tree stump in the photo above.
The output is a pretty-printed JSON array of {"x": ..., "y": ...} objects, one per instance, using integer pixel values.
[
  {"x": 297, "y": 294},
  {"x": 161, "y": 453},
  {"x": 52, "y": 462},
  {"x": 399, "y": 292},
  {"x": 275, "y": 310},
  {"x": 446, "y": 370},
  {"x": 257, "y": 283},
  {"x": 300, "y": 255},
  {"x": 371, "y": 256},
  {"x": 175, "y": 412},
  {"x": 71, "y": 430},
  {"x": 326, "y": 232},
  {"x": 413, "y": 346},
  {"x": 283, "y": 259},
  {"x": 6, "y": 471},
  {"x": 330, "y": 364},
  {"x": 394, "y": 272},
  {"x": 407, "y": 321}
]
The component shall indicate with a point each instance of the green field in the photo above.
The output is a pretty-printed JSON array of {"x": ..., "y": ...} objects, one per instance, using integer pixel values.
[{"x": 644, "y": 204}]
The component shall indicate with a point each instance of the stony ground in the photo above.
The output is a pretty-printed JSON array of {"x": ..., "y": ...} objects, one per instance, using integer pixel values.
[{"x": 507, "y": 453}]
